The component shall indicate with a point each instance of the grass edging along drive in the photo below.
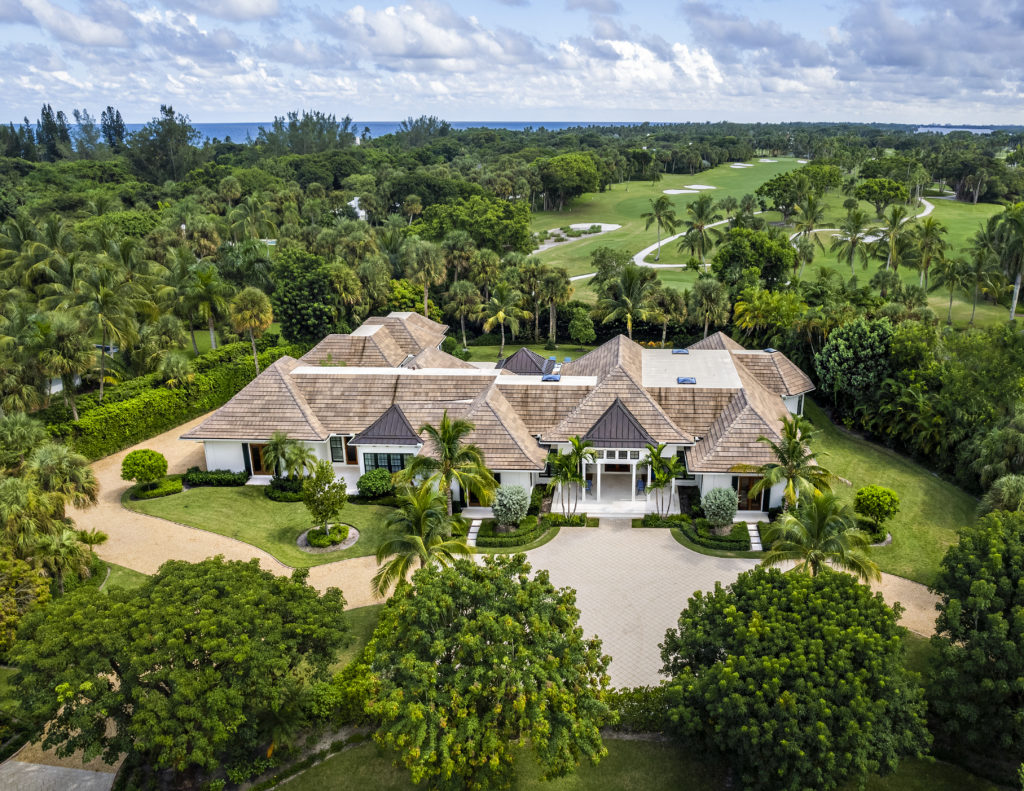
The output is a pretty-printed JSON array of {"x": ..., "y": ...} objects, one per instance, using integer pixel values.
[{"x": 245, "y": 514}]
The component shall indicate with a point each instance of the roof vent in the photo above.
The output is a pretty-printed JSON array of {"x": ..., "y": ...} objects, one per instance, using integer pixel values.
[
  {"x": 686, "y": 380},
  {"x": 551, "y": 377},
  {"x": 680, "y": 351},
  {"x": 770, "y": 350}
]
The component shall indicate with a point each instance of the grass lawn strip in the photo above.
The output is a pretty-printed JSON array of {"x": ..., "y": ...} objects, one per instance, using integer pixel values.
[
  {"x": 246, "y": 514},
  {"x": 931, "y": 509}
]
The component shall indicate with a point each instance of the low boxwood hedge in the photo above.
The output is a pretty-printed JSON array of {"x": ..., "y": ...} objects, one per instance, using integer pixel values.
[
  {"x": 162, "y": 489},
  {"x": 529, "y": 530},
  {"x": 197, "y": 477},
  {"x": 318, "y": 538},
  {"x": 699, "y": 531},
  {"x": 575, "y": 520},
  {"x": 284, "y": 490}
]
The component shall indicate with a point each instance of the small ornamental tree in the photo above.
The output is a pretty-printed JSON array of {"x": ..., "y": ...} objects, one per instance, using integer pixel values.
[
  {"x": 799, "y": 680},
  {"x": 581, "y": 327},
  {"x": 974, "y": 686},
  {"x": 144, "y": 466},
  {"x": 719, "y": 506},
  {"x": 510, "y": 505},
  {"x": 323, "y": 495},
  {"x": 473, "y": 663},
  {"x": 375, "y": 483},
  {"x": 197, "y": 666},
  {"x": 877, "y": 503}
]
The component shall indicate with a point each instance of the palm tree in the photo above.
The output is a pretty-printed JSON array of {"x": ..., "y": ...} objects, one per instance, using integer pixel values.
[
  {"x": 664, "y": 470},
  {"x": 251, "y": 220},
  {"x": 955, "y": 274},
  {"x": 452, "y": 459},
  {"x": 819, "y": 534},
  {"x": 556, "y": 288},
  {"x": 527, "y": 274},
  {"x": 669, "y": 305},
  {"x": 26, "y": 512},
  {"x": 629, "y": 297},
  {"x": 700, "y": 216},
  {"x": 425, "y": 537},
  {"x": 65, "y": 352},
  {"x": 485, "y": 270},
  {"x": 250, "y": 312},
  {"x": 61, "y": 554},
  {"x": 463, "y": 300},
  {"x": 299, "y": 459},
  {"x": 208, "y": 294},
  {"x": 729, "y": 205},
  {"x": 424, "y": 266},
  {"x": 852, "y": 240},
  {"x": 794, "y": 464},
  {"x": 277, "y": 450},
  {"x": 810, "y": 215},
  {"x": 929, "y": 236},
  {"x": 662, "y": 214},
  {"x": 897, "y": 223},
  {"x": 1011, "y": 236},
  {"x": 805, "y": 252},
  {"x": 501, "y": 310},
  {"x": 709, "y": 302},
  {"x": 63, "y": 474},
  {"x": 567, "y": 472},
  {"x": 982, "y": 264},
  {"x": 459, "y": 249}
]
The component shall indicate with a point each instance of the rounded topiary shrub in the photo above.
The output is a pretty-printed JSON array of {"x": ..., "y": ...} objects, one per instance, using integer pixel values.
[
  {"x": 320, "y": 539},
  {"x": 510, "y": 505},
  {"x": 145, "y": 467},
  {"x": 719, "y": 506},
  {"x": 877, "y": 503},
  {"x": 375, "y": 483}
]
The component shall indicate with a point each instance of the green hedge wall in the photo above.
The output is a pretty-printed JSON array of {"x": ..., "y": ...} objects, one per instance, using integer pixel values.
[{"x": 111, "y": 427}]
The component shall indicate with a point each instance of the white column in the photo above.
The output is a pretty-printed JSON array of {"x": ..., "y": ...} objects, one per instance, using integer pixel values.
[
  {"x": 632, "y": 480},
  {"x": 583, "y": 491},
  {"x": 599, "y": 466}
]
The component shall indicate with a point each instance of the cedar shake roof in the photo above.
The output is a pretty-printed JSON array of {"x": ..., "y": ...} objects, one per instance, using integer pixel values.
[
  {"x": 693, "y": 408},
  {"x": 432, "y": 357},
  {"x": 526, "y": 363},
  {"x": 732, "y": 440},
  {"x": 367, "y": 346},
  {"x": 502, "y": 436},
  {"x": 617, "y": 384},
  {"x": 775, "y": 371},
  {"x": 412, "y": 332},
  {"x": 391, "y": 428},
  {"x": 269, "y": 403},
  {"x": 619, "y": 352},
  {"x": 617, "y": 428},
  {"x": 542, "y": 405},
  {"x": 719, "y": 341}
]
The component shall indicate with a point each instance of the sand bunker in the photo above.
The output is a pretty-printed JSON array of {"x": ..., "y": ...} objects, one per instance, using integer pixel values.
[
  {"x": 801, "y": 161},
  {"x": 679, "y": 192},
  {"x": 740, "y": 166},
  {"x": 767, "y": 160},
  {"x": 699, "y": 187}
]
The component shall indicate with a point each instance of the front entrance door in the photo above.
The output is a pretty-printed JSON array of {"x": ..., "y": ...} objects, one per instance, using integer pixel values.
[
  {"x": 748, "y": 501},
  {"x": 259, "y": 467}
]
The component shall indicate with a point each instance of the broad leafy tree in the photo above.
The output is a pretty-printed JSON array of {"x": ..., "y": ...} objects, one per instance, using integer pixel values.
[
  {"x": 179, "y": 671},
  {"x": 797, "y": 681},
  {"x": 21, "y": 587},
  {"x": 881, "y": 192},
  {"x": 855, "y": 361},
  {"x": 472, "y": 663},
  {"x": 302, "y": 296}
]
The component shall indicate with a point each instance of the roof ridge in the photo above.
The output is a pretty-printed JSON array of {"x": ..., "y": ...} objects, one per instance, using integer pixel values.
[
  {"x": 654, "y": 403},
  {"x": 303, "y": 406},
  {"x": 501, "y": 422}
]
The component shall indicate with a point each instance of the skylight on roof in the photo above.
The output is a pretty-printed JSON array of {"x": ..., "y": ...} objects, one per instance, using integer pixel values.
[
  {"x": 567, "y": 360},
  {"x": 770, "y": 350},
  {"x": 680, "y": 351},
  {"x": 551, "y": 378},
  {"x": 686, "y": 380}
]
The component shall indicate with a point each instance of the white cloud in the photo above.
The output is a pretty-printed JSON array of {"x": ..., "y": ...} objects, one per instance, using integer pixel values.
[{"x": 72, "y": 27}]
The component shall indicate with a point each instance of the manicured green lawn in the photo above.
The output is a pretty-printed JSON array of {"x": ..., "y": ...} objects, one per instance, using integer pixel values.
[
  {"x": 245, "y": 513},
  {"x": 918, "y": 650},
  {"x": 629, "y": 766},
  {"x": 490, "y": 353},
  {"x": 931, "y": 509},
  {"x": 122, "y": 577},
  {"x": 362, "y": 621}
]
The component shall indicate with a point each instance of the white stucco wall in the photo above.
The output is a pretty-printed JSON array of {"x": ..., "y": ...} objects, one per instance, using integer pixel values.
[
  {"x": 224, "y": 455},
  {"x": 403, "y": 449},
  {"x": 522, "y": 478},
  {"x": 795, "y": 404}
]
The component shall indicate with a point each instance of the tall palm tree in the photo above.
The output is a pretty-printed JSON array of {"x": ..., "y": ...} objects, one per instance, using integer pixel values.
[
  {"x": 794, "y": 463},
  {"x": 26, "y": 513},
  {"x": 209, "y": 295},
  {"x": 629, "y": 297},
  {"x": 463, "y": 301},
  {"x": 503, "y": 310},
  {"x": 852, "y": 240},
  {"x": 669, "y": 305},
  {"x": 527, "y": 273},
  {"x": 897, "y": 224},
  {"x": 954, "y": 274},
  {"x": 810, "y": 215},
  {"x": 64, "y": 475},
  {"x": 664, "y": 471},
  {"x": 556, "y": 289},
  {"x": 250, "y": 219},
  {"x": 805, "y": 252},
  {"x": 709, "y": 302},
  {"x": 982, "y": 263},
  {"x": 277, "y": 450},
  {"x": 250, "y": 312},
  {"x": 425, "y": 537},
  {"x": 663, "y": 214},
  {"x": 700, "y": 216},
  {"x": 930, "y": 237},
  {"x": 65, "y": 352},
  {"x": 61, "y": 554},
  {"x": 452, "y": 459},
  {"x": 729, "y": 205},
  {"x": 458, "y": 248},
  {"x": 485, "y": 270},
  {"x": 1011, "y": 236},
  {"x": 819, "y": 534},
  {"x": 424, "y": 266},
  {"x": 564, "y": 475}
]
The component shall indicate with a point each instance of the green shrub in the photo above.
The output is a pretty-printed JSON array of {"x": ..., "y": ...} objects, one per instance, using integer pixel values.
[
  {"x": 876, "y": 503},
  {"x": 576, "y": 520},
  {"x": 640, "y": 709},
  {"x": 162, "y": 489},
  {"x": 528, "y": 531},
  {"x": 143, "y": 466},
  {"x": 700, "y": 533},
  {"x": 284, "y": 490},
  {"x": 197, "y": 477},
  {"x": 375, "y": 483},
  {"x": 318, "y": 538},
  {"x": 510, "y": 505},
  {"x": 719, "y": 506},
  {"x": 536, "y": 501}
]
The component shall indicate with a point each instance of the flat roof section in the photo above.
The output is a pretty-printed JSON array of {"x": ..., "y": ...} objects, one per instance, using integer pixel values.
[{"x": 712, "y": 368}]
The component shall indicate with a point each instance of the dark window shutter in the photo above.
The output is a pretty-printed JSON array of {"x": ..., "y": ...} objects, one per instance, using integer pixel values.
[
  {"x": 736, "y": 482},
  {"x": 245, "y": 458}
]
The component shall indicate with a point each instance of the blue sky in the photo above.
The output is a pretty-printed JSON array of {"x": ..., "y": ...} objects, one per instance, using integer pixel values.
[{"x": 527, "y": 60}]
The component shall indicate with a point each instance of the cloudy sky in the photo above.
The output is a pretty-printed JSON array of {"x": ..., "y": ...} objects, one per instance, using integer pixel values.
[{"x": 519, "y": 60}]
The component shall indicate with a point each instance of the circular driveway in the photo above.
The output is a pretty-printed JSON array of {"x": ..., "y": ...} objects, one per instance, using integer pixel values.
[{"x": 631, "y": 584}]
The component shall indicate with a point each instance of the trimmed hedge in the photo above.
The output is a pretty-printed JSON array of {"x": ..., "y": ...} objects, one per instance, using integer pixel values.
[
  {"x": 375, "y": 483},
  {"x": 164, "y": 488},
  {"x": 576, "y": 520},
  {"x": 318, "y": 538},
  {"x": 536, "y": 500},
  {"x": 197, "y": 477},
  {"x": 529, "y": 530},
  {"x": 284, "y": 490},
  {"x": 699, "y": 531},
  {"x": 114, "y": 426},
  {"x": 640, "y": 709}
]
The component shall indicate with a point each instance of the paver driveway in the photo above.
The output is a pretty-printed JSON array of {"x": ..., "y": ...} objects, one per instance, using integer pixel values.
[{"x": 631, "y": 585}]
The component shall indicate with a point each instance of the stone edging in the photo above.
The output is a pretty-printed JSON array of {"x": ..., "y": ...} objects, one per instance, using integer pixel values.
[
  {"x": 303, "y": 543},
  {"x": 885, "y": 543}
]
